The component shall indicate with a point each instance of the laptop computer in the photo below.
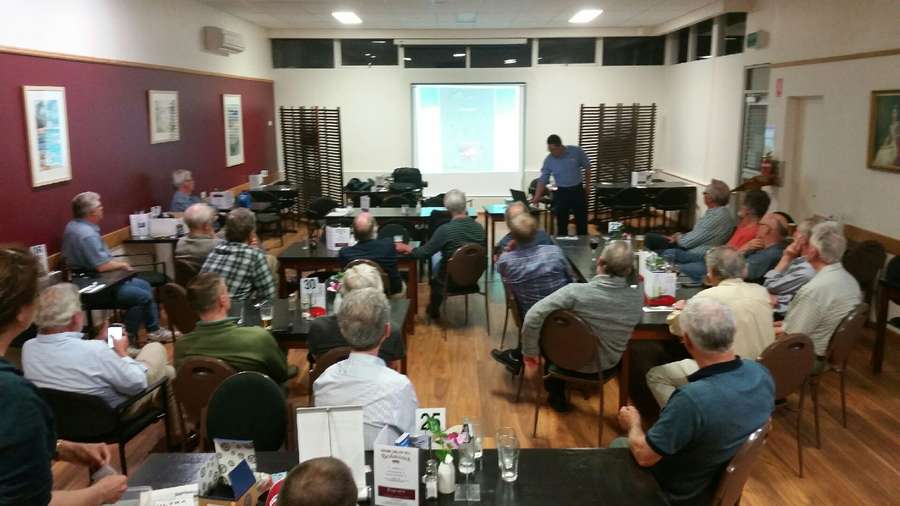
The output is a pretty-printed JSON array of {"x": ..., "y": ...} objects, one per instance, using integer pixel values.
[{"x": 520, "y": 196}]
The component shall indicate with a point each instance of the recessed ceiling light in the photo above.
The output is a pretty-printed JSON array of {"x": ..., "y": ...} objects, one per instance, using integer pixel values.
[
  {"x": 347, "y": 17},
  {"x": 407, "y": 58},
  {"x": 585, "y": 15},
  {"x": 510, "y": 61},
  {"x": 379, "y": 42},
  {"x": 459, "y": 55}
]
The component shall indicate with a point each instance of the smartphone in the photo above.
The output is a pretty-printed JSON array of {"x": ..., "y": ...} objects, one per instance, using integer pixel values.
[{"x": 113, "y": 334}]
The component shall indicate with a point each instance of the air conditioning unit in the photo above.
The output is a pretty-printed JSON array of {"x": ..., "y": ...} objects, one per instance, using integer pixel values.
[{"x": 221, "y": 41}]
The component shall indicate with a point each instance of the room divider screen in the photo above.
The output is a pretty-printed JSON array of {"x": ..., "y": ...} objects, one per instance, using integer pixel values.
[{"x": 311, "y": 149}]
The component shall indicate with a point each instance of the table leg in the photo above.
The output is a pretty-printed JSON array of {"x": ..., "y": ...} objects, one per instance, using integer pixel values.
[
  {"x": 490, "y": 248},
  {"x": 880, "y": 329},
  {"x": 624, "y": 375},
  {"x": 282, "y": 281},
  {"x": 412, "y": 291}
]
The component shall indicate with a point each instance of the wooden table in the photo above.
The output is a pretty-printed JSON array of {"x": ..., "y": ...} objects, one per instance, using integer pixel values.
[
  {"x": 546, "y": 476},
  {"x": 652, "y": 327},
  {"x": 887, "y": 292},
  {"x": 321, "y": 258}
]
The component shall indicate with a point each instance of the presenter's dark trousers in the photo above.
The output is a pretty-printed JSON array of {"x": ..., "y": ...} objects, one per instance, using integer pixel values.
[{"x": 570, "y": 200}]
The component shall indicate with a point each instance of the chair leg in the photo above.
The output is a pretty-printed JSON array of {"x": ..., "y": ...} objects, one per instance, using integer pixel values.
[
  {"x": 487, "y": 311},
  {"x": 467, "y": 309},
  {"x": 814, "y": 390},
  {"x": 537, "y": 410},
  {"x": 122, "y": 462},
  {"x": 602, "y": 418},
  {"x": 521, "y": 381},
  {"x": 444, "y": 310},
  {"x": 843, "y": 399},
  {"x": 800, "y": 417},
  {"x": 505, "y": 322}
]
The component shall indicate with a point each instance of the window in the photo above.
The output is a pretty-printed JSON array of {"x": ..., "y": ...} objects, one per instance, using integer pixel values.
[
  {"x": 755, "y": 137},
  {"x": 704, "y": 39},
  {"x": 634, "y": 50},
  {"x": 368, "y": 52},
  {"x": 684, "y": 40},
  {"x": 735, "y": 24},
  {"x": 302, "y": 53},
  {"x": 580, "y": 50},
  {"x": 434, "y": 57},
  {"x": 518, "y": 55}
]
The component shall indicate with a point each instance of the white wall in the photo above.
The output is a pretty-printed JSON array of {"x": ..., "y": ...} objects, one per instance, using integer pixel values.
[
  {"x": 160, "y": 32},
  {"x": 375, "y": 104}
]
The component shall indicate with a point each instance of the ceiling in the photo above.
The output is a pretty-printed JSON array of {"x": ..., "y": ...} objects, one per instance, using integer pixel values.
[{"x": 455, "y": 14}]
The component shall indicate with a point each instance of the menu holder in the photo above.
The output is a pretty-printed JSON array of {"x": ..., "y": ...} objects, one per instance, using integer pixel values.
[
  {"x": 396, "y": 471},
  {"x": 334, "y": 431}
]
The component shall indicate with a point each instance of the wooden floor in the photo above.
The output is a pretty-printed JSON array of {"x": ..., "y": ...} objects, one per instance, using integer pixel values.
[{"x": 857, "y": 465}]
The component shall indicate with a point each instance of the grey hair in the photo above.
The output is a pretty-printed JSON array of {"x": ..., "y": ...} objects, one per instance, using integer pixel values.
[
  {"x": 359, "y": 277},
  {"x": 57, "y": 305},
  {"x": 239, "y": 225},
  {"x": 364, "y": 227},
  {"x": 523, "y": 227},
  {"x": 709, "y": 324},
  {"x": 805, "y": 227},
  {"x": 828, "y": 239},
  {"x": 726, "y": 262},
  {"x": 719, "y": 192},
  {"x": 514, "y": 209},
  {"x": 618, "y": 259},
  {"x": 362, "y": 317},
  {"x": 84, "y": 204},
  {"x": 198, "y": 215},
  {"x": 455, "y": 201},
  {"x": 180, "y": 176}
]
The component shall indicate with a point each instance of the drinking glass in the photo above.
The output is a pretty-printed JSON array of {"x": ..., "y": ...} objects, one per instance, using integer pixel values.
[
  {"x": 467, "y": 457},
  {"x": 404, "y": 209},
  {"x": 475, "y": 434},
  {"x": 508, "y": 457},
  {"x": 265, "y": 313},
  {"x": 595, "y": 242}
]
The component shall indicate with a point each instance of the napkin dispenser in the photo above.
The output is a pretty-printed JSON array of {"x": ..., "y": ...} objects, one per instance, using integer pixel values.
[
  {"x": 140, "y": 224},
  {"x": 256, "y": 181},
  {"x": 166, "y": 227},
  {"x": 221, "y": 200}
]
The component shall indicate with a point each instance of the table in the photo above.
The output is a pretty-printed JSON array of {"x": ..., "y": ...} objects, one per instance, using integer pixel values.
[
  {"x": 171, "y": 240},
  {"x": 652, "y": 327},
  {"x": 101, "y": 299},
  {"x": 285, "y": 194},
  {"x": 887, "y": 292},
  {"x": 322, "y": 258},
  {"x": 546, "y": 476}
]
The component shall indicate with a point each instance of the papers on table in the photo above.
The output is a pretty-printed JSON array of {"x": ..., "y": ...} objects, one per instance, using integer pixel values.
[
  {"x": 184, "y": 495},
  {"x": 658, "y": 309},
  {"x": 339, "y": 212}
]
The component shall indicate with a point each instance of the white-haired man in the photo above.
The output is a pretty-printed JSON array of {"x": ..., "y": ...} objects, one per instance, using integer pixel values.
[
  {"x": 201, "y": 238},
  {"x": 609, "y": 303},
  {"x": 793, "y": 270},
  {"x": 459, "y": 231},
  {"x": 821, "y": 304},
  {"x": 387, "y": 397},
  {"x": 85, "y": 252},
  {"x": 60, "y": 358},
  {"x": 184, "y": 188},
  {"x": 709, "y": 418},
  {"x": 748, "y": 302}
]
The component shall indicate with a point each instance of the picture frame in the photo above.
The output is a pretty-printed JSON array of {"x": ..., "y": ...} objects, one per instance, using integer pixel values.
[
  {"x": 884, "y": 131},
  {"x": 47, "y": 127},
  {"x": 234, "y": 130},
  {"x": 163, "y": 114}
]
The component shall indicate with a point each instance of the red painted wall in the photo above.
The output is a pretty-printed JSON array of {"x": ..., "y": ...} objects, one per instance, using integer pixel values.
[{"x": 110, "y": 145}]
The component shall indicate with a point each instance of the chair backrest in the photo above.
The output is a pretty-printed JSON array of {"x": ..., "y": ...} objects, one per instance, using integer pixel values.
[
  {"x": 845, "y": 336},
  {"x": 532, "y": 187},
  {"x": 790, "y": 360},
  {"x": 892, "y": 273},
  {"x": 195, "y": 382},
  {"x": 321, "y": 206},
  {"x": 248, "y": 406},
  {"x": 326, "y": 360},
  {"x": 864, "y": 261},
  {"x": 174, "y": 300},
  {"x": 567, "y": 341},
  {"x": 736, "y": 473},
  {"x": 466, "y": 265},
  {"x": 385, "y": 282},
  {"x": 513, "y": 304},
  {"x": 392, "y": 228},
  {"x": 185, "y": 270},
  {"x": 80, "y": 417},
  {"x": 436, "y": 219}
]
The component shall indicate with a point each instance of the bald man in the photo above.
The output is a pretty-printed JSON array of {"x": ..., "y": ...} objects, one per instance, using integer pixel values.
[
  {"x": 369, "y": 247},
  {"x": 506, "y": 243}
]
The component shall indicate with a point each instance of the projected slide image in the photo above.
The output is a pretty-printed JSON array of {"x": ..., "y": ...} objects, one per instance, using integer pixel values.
[{"x": 468, "y": 128}]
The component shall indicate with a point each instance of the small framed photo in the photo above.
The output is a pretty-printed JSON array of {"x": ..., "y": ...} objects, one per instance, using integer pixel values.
[
  {"x": 163, "y": 113},
  {"x": 234, "y": 130},
  {"x": 47, "y": 126},
  {"x": 884, "y": 130}
]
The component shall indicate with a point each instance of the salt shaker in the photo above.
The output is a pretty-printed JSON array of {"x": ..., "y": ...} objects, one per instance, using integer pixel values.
[{"x": 431, "y": 479}]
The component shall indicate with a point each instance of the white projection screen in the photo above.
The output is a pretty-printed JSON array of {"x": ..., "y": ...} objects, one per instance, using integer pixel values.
[{"x": 469, "y": 136}]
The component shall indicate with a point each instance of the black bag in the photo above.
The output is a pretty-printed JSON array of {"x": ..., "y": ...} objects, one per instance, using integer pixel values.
[{"x": 410, "y": 175}]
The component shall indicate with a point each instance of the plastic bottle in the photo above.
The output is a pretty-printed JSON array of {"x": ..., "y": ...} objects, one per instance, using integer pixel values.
[{"x": 447, "y": 476}]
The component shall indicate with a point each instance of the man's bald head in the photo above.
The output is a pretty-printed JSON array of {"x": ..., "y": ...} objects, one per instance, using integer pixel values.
[
  {"x": 514, "y": 209},
  {"x": 775, "y": 227},
  {"x": 364, "y": 227}
]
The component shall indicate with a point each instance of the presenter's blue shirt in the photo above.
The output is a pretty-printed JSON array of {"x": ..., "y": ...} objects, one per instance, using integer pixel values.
[{"x": 566, "y": 169}]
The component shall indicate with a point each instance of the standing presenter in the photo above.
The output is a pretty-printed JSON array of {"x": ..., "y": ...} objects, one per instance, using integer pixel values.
[{"x": 566, "y": 163}]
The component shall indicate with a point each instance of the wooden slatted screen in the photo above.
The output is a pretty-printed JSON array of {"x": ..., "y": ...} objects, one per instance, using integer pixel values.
[
  {"x": 311, "y": 148},
  {"x": 618, "y": 139}
]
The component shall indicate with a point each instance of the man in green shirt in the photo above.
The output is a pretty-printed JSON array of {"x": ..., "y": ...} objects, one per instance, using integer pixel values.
[{"x": 218, "y": 336}]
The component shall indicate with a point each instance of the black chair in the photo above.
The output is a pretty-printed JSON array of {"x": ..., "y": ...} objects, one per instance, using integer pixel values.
[
  {"x": 317, "y": 211},
  {"x": 532, "y": 188},
  {"x": 156, "y": 276},
  {"x": 673, "y": 200},
  {"x": 629, "y": 203},
  {"x": 864, "y": 262},
  {"x": 391, "y": 229},
  {"x": 178, "y": 310},
  {"x": 397, "y": 201},
  {"x": 268, "y": 213},
  {"x": 89, "y": 419},
  {"x": 248, "y": 406},
  {"x": 464, "y": 269},
  {"x": 185, "y": 270}
]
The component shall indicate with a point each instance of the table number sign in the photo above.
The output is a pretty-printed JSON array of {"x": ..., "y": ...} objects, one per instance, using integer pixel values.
[{"x": 422, "y": 415}]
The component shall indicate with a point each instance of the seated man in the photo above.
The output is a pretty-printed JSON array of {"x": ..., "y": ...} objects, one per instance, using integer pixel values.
[
  {"x": 85, "y": 251},
  {"x": 325, "y": 333},
  {"x": 512, "y": 210},
  {"x": 184, "y": 187},
  {"x": 216, "y": 335},
  {"x": 712, "y": 229},
  {"x": 368, "y": 246},
  {"x": 60, "y": 358},
  {"x": 459, "y": 231},
  {"x": 323, "y": 481},
  {"x": 792, "y": 271},
  {"x": 608, "y": 303},
  {"x": 708, "y": 419},
  {"x": 753, "y": 208},
  {"x": 201, "y": 238},
  {"x": 363, "y": 379},
  {"x": 532, "y": 271},
  {"x": 821, "y": 304},
  {"x": 749, "y": 304},
  {"x": 762, "y": 252},
  {"x": 243, "y": 266}
]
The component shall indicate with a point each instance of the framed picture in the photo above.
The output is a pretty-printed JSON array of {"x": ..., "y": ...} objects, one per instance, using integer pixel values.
[
  {"x": 884, "y": 130},
  {"x": 48, "y": 134},
  {"x": 234, "y": 130},
  {"x": 163, "y": 112}
]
